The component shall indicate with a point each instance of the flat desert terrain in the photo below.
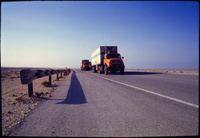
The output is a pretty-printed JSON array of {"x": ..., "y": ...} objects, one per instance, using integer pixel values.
[
  {"x": 15, "y": 103},
  {"x": 174, "y": 71}
]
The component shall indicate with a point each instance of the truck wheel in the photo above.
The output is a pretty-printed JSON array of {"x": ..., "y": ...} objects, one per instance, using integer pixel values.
[
  {"x": 105, "y": 70},
  {"x": 122, "y": 71},
  {"x": 101, "y": 69},
  {"x": 94, "y": 69}
]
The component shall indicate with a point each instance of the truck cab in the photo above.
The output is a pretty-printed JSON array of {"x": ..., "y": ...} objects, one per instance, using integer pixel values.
[
  {"x": 85, "y": 65},
  {"x": 113, "y": 62}
]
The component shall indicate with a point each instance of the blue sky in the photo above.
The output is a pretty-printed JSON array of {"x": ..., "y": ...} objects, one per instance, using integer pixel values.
[{"x": 59, "y": 34}]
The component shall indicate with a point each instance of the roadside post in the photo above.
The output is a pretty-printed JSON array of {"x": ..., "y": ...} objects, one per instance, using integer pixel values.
[
  {"x": 30, "y": 89},
  {"x": 50, "y": 79},
  {"x": 61, "y": 75},
  {"x": 57, "y": 77}
]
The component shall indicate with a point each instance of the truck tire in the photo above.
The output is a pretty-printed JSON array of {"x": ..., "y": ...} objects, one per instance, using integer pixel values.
[
  {"x": 121, "y": 71},
  {"x": 105, "y": 70},
  {"x": 94, "y": 69},
  {"x": 101, "y": 69}
]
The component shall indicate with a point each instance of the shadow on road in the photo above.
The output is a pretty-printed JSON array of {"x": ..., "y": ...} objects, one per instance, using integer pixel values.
[
  {"x": 75, "y": 94},
  {"x": 53, "y": 85}
]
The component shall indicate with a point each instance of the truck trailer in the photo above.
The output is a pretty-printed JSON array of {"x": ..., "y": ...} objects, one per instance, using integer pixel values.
[
  {"x": 105, "y": 59},
  {"x": 85, "y": 65}
]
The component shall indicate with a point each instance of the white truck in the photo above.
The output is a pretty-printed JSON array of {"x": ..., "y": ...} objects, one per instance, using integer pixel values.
[{"x": 106, "y": 59}]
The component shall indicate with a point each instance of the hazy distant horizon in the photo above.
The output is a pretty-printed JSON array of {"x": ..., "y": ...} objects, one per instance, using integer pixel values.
[{"x": 125, "y": 68}]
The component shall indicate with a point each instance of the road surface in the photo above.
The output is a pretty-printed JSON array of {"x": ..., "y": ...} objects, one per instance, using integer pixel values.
[{"x": 134, "y": 104}]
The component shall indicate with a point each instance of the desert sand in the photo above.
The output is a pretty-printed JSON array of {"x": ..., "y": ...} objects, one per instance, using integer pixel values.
[
  {"x": 15, "y": 103},
  {"x": 173, "y": 71}
]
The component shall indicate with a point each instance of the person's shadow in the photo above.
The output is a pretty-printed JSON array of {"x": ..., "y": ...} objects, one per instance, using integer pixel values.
[{"x": 75, "y": 94}]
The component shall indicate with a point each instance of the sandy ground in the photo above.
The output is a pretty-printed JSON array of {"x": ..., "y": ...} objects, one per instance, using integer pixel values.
[
  {"x": 174, "y": 71},
  {"x": 15, "y": 103}
]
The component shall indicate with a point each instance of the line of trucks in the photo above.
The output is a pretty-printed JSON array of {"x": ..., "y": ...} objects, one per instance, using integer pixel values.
[{"x": 103, "y": 60}]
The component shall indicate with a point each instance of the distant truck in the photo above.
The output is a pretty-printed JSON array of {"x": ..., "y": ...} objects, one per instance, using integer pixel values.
[
  {"x": 106, "y": 59},
  {"x": 85, "y": 65}
]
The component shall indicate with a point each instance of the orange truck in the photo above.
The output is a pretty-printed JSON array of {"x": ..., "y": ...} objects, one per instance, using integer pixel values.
[
  {"x": 105, "y": 59},
  {"x": 85, "y": 65}
]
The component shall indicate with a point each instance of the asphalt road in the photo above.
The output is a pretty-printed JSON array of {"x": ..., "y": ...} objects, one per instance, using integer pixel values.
[{"x": 134, "y": 104}]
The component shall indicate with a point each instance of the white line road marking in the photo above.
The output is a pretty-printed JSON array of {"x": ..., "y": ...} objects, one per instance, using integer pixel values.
[{"x": 148, "y": 91}]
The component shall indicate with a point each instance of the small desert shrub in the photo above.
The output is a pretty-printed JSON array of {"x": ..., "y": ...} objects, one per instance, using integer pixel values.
[
  {"x": 24, "y": 99},
  {"x": 46, "y": 83},
  {"x": 38, "y": 94},
  {"x": 19, "y": 99}
]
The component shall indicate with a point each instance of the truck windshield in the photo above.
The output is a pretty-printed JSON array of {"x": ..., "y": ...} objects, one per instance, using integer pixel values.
[
  {"x": 113, "y": 56},
  {"x": 87, "y": 63}
]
